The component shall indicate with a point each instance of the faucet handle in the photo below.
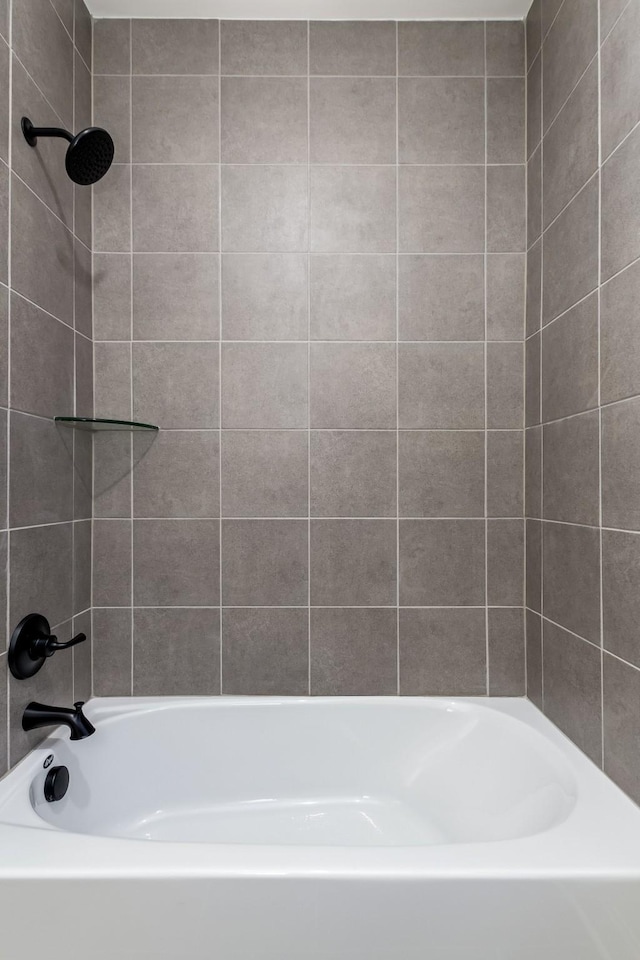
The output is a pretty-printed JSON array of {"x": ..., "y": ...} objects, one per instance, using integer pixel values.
[{"x": 32, "y": 643}]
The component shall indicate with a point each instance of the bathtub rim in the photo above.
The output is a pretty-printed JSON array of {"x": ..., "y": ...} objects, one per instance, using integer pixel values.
[{"x": 587, "y": 844}]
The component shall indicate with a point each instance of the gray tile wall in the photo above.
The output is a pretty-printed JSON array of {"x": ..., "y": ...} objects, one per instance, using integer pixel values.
[
  {"x": 583, "y": 376},
  {"x": 310, "y": 272},
  {"x": 45, "y": 352}
]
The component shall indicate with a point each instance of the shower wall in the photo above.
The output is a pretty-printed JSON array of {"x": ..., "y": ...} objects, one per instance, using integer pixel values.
[
  {"x": 309, "y": 272},
  {"x": 45, "y": 352},
  {"x": 583, "y": 376}
]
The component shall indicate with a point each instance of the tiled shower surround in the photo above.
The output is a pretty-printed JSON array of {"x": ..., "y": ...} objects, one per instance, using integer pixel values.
[
  {"x": 583, "y": 376},
  {"x": 310, "y": 271},
  {"x": 45, "y": 351}
]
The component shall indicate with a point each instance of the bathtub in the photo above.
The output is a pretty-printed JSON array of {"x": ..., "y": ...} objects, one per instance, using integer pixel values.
[{"x": 318, "y": 829}]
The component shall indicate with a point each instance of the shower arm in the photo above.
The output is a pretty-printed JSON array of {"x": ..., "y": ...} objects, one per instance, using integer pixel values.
[{"x": 32, "y": 133}]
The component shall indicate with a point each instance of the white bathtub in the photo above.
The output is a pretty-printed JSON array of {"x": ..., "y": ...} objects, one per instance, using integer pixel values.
[{"x": 318, "y": 829}]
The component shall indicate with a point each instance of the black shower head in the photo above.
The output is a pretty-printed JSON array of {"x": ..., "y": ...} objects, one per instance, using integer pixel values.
[{"x": 89, "y": 154}]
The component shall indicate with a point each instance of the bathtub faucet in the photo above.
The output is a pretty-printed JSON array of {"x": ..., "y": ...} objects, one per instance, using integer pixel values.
[{"x": 39, "y": 715}]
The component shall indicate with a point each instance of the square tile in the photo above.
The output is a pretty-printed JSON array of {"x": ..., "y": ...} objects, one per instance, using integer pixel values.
[
  {"x": 506, "y": 283},
  {"x": 442, "y": 562},
  {"x": 265, "y": 473},
  {"x": 506, "y": 208},
  {"x": 353, "y": 386},
  {"x": 42, "y": 261},
  {"x": 569, "y": 47},
  {"x": 621, "y": 725},
  {"x": 112, "y": 548},
  {"x": 355, "y": 48},
  {"x": 174, "y": 46},
  {"x": 572, "y": 688},
  {"x": 441, "y": 120},
  {"x": 264, "y": 385},
  {"x": 175, "y": 208},
  {"x": 112, "y": 110},
  {"x": 41, "y": 471},
  {"x": 570, "y": 253},
  {"x": 265, "y": 563},
  {"x": 82, "y": 542},
  {"x": 267, "y": 47},
  {"x": 44, "y": 47},
  {"x": 112, "y": 381},
  {"x": 620, "y": 465},
  {"x": 353, "y": 473},
  {"x": 111, "y": 46},
  {"x": 441, "y": 209},
  {"x": 505, "y": 48},
  {"x": 112, "y": 475},
  {"x": 353, "y": 209},
  {"x": 353, "y": 652},
  {"x": 504, "y": 473},
  {"x": 533, "y": 466},
  {"x": 620, "y": 79},
  {"x": 572, "y": 469},
  {"x": 353, "y": 297},
  {"x": 41, "y": 572},
  {"x": 353, "y": 563},
  {"x": 176, "y": 384},
  {"x": 263, "y": 120},
  {"x": 163, "y": 667},
  {"x": 112, "y": 210},
  {"x": 443, "y": 653},
  {"x": 160, "y": 281},
  {"x": 264, "y": 296},
  {"x": 505, "y": 563},
  {"x": 265, "y": 652},
  {"x": 533, "y": 579},
  {"x": 441, "y": 386},
  {"x": 506, "y": 121},
  {"x": 41, "y": 362},
  {"x": 534, "y": 289},
  {"x": 620, "y": 594},
  {"x": 441, "y": 49},
  {"x": 174, "y": 119},
  {"x": 111, "y": 634},
  {"x": 571, "y": 556},
  {"x": 441, "y": 297},
  {"x": 176, "y": 563},
  {"x": 352, "y": 120},
  {"x": 570, "y": 361},
  {"x": 571, "y": 146},
  {"x": 621, "y": 207},
  {"x": 507, "y": 677},
  {"x": 176, "y": 474},
  {"x": 532, "y": 381},
  {"x": 441, "y": 473},
  {"x": 264, "y": 209},
  {"x": 505, "y": 385},
  {"x": 620, "y": 336}
]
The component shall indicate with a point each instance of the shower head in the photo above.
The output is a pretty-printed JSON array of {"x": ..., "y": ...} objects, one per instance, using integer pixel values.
[{"x": 89, "y": 154}]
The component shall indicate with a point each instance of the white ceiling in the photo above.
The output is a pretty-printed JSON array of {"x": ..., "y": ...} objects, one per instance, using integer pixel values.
[{"x": 315, "y": 9}]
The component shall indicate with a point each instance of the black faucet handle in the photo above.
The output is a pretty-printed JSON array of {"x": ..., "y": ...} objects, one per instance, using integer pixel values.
[{"x": 47, "y": 646}]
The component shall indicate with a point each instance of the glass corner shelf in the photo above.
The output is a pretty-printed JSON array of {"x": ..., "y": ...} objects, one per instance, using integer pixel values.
[{"x": 97, "y": 424}]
